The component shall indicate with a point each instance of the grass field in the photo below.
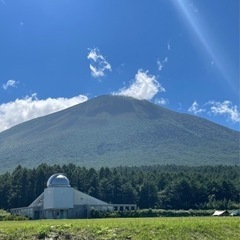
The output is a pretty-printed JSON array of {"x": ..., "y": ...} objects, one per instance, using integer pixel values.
[{"x": 130, "y": 228}]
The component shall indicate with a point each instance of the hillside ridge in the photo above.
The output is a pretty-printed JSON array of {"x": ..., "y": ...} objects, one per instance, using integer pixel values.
[{"x": 116, "y": 130}]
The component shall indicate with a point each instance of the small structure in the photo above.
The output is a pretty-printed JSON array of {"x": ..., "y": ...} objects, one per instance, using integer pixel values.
[
  {"x": 60, "y": 200},
  {"x": 235, "y": 213},
  {"x": 221, "y": 213}
]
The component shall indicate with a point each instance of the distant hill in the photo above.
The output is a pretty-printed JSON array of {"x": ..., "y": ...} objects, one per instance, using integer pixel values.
[{"x": 117, "y": 130}]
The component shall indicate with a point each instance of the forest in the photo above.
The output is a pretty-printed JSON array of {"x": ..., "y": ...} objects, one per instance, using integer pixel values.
[{"x": 156, "y": 187}]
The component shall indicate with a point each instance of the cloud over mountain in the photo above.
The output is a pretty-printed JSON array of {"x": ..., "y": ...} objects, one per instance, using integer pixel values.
[
  {"x": 225, "y": 108},
  {"x": 145, "y": 86},
  {"x": 195, "y": 109},
  {"x": 21, "y": 110}
]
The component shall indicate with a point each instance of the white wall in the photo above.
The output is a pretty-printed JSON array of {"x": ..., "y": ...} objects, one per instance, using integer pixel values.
[{"x": 58, "y": 197}]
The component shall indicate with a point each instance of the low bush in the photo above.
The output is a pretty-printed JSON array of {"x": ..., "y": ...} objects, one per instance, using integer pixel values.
[
  {"x": 6, "y": 216},
  {"x": 150, "y": 213}
]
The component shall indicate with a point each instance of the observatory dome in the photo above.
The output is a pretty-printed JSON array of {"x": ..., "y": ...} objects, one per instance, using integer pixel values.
[{"x": 58, "y": 180}]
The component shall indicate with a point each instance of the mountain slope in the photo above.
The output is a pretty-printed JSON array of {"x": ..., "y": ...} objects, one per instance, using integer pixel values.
[{"x": 115, "y": 130}]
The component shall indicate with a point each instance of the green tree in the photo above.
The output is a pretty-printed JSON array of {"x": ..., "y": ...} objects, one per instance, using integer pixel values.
[
  {"x": 148, "y": 195},
  {"x": 92, "y": 183},
  {"x": 4, "y": 190}
]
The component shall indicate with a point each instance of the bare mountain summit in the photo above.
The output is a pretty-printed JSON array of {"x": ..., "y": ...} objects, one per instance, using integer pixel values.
[{"x": 116, "y": 130}]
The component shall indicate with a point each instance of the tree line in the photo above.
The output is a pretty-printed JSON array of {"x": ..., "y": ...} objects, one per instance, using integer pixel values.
[{"x": 163, "y": 187}]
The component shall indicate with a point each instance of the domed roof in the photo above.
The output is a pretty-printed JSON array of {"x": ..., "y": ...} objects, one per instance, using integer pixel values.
[{"x": 58, "y": 180}]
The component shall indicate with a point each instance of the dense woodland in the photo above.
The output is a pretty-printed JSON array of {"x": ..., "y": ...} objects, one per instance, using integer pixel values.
[{"x": 165, "y": 187}]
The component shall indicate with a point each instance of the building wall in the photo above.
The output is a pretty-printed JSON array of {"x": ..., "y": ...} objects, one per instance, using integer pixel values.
[
  {"x": 56, "y": 213},
  {"x": 31, "y": 212},
  {"x": 58, "y": 198},
  {"x": 66, "y": 202}
]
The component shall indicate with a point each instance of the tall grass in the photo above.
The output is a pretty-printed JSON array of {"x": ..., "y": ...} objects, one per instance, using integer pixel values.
[{"x": 130, "y": 228}]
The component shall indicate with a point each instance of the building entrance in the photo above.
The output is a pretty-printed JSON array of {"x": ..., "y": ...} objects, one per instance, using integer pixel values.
[{"x": 59, "y": 214}]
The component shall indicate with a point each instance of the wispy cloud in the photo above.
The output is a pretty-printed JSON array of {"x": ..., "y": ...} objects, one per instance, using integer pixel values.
[
  {"x": 3, "y": 2},
  {"x": 161, "y": 101},
  {"x": 21, "y": 110},
  {"x": 195, "y": 109},
  {"x": 10, "y": 83},
  {"x": 162, "y": 63},
  {"x": 193, "y": 7},
  {"x": 98, "y": 64},
  {"x": 225, "y": 108},
  {"x": 169, "y": 46},
  {"x": 145, "y": 86}
]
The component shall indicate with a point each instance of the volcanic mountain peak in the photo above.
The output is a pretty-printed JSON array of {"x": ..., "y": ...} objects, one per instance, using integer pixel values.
[{"x": 117, "y": 130}]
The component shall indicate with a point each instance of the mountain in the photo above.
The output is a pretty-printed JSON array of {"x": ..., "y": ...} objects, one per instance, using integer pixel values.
[{"x": 117, "y": 130}]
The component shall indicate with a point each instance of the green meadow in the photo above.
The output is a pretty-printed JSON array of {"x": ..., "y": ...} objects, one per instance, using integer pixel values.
[{"x": 124, "y": 228}]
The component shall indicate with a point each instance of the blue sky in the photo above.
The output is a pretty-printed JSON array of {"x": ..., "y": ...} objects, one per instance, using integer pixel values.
[{"x": 180, "y": 54}]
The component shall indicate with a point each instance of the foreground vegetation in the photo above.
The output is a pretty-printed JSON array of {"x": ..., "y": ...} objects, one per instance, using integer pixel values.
[
  {"x": 161, "y": 187},
  {"x": 130, "y": 228}
]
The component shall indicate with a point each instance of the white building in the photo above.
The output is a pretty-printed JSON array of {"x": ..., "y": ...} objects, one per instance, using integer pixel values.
[{"x": 60, "y": 200}]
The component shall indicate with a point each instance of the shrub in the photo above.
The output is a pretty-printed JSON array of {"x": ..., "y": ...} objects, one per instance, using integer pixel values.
[{"x": 150, "y": 213}]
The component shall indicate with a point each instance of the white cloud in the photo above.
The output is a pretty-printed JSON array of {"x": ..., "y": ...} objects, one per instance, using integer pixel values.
[
  {"x": 10, "y": 83},
  {"x": 162, "y": 63},
  {"x": 225, "y": 108},
  {"x": 195, "y": 109},
  {"x": 21, "y": 110},
  {"x": 98, "y": 64},
  {"x": 169, "y": 46},
  {"x": 145, "y": 86},
  {"x": 96, "y": 72},
  {"x": 161, "y": 101}
]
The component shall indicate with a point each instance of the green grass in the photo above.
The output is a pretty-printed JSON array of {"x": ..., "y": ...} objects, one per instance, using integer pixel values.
[{"x": 132, "y": 228}]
